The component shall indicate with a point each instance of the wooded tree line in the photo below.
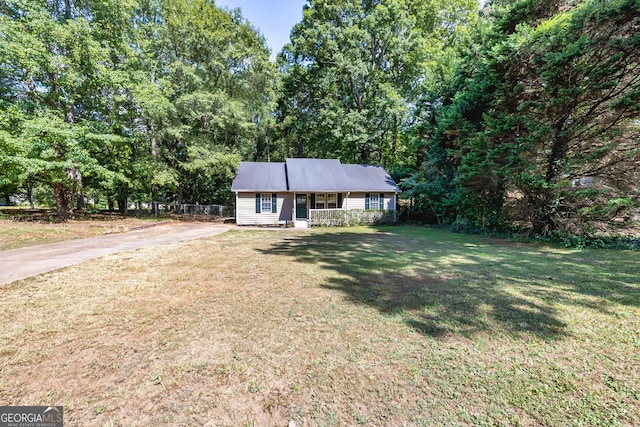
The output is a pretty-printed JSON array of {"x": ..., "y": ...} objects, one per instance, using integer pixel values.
[{"x": 521, "y": 113}]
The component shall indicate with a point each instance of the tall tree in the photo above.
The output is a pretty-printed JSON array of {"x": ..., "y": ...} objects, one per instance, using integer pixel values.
[
  {"x": 353, "y": 70},
  {"x": 582, "y": 88},
  {"x": 140, "y": 98},
  {"x": 206, "y": 86}
]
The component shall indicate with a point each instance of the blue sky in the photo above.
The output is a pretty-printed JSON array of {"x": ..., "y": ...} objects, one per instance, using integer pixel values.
[{"x": 274, "y": 18}]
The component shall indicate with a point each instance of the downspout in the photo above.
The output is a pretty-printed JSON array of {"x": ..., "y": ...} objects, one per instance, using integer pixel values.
[{"x": 235, "y": 211}]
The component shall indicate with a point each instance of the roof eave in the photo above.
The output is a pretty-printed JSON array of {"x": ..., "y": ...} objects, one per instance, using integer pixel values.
[{"x": 259, "y": 190}]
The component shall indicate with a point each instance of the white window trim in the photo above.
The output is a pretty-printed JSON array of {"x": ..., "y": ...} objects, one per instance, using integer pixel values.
[
  {"x": 333, "y": 196},
  {"x": 322, "y": 200},
  {"x": 374, "y": 205},
  {"x": 264, "y": 206}
]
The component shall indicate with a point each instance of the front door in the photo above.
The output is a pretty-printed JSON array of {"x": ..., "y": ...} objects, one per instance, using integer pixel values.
[{"x": 301, "y": 206}]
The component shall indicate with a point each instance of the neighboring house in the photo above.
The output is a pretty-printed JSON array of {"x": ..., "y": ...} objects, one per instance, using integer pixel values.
[{"x": 304, "y": 191}]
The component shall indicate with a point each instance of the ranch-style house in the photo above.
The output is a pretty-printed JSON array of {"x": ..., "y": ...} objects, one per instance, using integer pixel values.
[{"x": 309, "y": 192}]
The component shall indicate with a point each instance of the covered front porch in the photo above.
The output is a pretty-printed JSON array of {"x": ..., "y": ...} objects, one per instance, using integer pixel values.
[
  {"x": 343, "y": 209},
  {"x": 308, "y": 204}
]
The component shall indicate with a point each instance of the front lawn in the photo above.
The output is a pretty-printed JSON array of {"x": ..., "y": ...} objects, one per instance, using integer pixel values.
[{"x": 355, "y": 326}]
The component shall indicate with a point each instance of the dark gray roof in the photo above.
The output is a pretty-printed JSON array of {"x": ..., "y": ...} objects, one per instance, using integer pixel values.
[
  {"x": 315, "y": 175},
  {"x": 370, "y": 178},
  {"x": 259, "y": 176},
  {"x": 323, "y": 175}
]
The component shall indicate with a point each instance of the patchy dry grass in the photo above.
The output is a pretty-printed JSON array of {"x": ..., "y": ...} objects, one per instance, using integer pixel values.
[
  {"x": 363, "y": 326},
  {"x": 15, "y": 234}
]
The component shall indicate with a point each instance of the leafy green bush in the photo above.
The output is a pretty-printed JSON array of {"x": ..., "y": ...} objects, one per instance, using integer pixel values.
[
  {"x": 352, "y": 217},
  {"x": 615, "y": 242}
]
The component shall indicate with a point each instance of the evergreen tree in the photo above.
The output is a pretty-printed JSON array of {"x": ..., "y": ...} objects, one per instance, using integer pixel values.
[{"x": 549, "y": 100}]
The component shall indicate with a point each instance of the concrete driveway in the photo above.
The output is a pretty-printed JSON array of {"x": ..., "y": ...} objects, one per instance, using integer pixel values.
[{"x": 16, "y": 264}]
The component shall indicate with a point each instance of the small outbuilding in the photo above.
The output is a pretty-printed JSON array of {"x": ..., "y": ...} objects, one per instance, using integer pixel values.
[{"x": 313, "y": 192}]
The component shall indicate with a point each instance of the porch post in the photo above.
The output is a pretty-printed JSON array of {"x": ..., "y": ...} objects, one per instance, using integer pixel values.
[{"x": 395, "y": 207}]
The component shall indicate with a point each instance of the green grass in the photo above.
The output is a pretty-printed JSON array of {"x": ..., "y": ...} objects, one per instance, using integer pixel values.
[
  {"x": 465, "y": 284},
  {"x": 355, "y": 326}
]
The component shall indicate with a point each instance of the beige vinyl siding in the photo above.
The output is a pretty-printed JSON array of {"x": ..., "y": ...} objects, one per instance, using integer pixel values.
[
  {"x": 246, "y": 210},
  {"x": 357, "y": 201}
]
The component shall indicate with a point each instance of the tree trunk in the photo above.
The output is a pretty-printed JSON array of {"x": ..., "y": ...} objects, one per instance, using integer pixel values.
[
  {"x": 67, "y": 9},
  {"x": 300, "y": 148},
  {"x": 79, "y": 201},
  {"x": 542, "y": 219},
  {"x": 154, "y": 146},
  {"x": 180, "y": 193},
  {"x": 557, "y": 159},
  {"x": 122, "y": 206},
  {"x": 394, "y": 140},
  {"x": 64, "y": 201},
  {"x": 75, "y": 175},
  {"x": 545, "y": 204},
  {"x": 154, "y": 194},
  {"x": 30, "y": 197},
  {"x": 365, "y": 154}
]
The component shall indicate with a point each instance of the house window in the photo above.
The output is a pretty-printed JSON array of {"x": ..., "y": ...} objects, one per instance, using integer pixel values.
[
  {"x": 332, "y": 201},
  {"x": 375, "y": 201},
  {"x": 320, "y": 202},
  {"x": 265, "y": 202}
]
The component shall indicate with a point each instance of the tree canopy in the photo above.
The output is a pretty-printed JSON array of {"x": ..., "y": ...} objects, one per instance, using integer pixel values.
[{"x": 353, "y": 72}]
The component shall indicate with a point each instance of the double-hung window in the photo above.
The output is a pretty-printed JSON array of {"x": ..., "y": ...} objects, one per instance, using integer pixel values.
[
  {"x": 265, "y": 202},
  {"x": 320, "y": 202},
  {"x": 374, "y": 201},
  {"x": 332, "y": 201}
]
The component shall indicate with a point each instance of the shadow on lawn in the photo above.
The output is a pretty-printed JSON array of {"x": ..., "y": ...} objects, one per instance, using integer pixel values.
[{"x": 441, "y": 283}]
